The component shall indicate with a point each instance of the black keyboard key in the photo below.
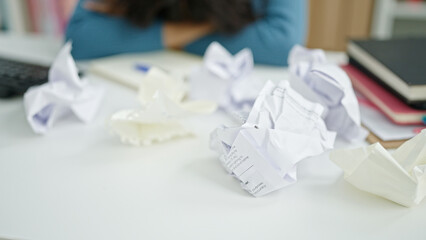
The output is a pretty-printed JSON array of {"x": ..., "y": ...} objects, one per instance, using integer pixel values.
[{"x": 16, "y": 77}]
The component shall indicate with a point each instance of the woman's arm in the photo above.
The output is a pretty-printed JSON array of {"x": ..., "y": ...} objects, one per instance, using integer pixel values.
[
  {"x": 270, "y": 38},
  {"x": 95, "y": 34},
  {"x": 178, "y": 35}
]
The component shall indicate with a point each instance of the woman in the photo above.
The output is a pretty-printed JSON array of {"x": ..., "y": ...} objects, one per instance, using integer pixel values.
[{"x": 270, "y": 28}]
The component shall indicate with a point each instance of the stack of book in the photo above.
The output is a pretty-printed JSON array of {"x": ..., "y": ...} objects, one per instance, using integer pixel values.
[
  {"x": 48, "y": 17},
  {"x": 390, "y": 78}
]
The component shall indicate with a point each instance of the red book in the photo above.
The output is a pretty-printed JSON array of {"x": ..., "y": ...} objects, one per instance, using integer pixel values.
[
  {"x": 34, "y": 15},
  {"x": 396, "y": 110}
]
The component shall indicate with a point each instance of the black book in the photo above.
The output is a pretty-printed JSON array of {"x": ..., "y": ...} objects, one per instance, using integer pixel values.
[{"x": 398, "y": 64}]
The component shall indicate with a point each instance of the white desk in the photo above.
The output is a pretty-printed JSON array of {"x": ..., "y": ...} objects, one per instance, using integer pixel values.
[{"x": 80, "y": 182}]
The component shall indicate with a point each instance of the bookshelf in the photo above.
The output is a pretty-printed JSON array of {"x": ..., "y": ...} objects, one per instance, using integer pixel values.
[
  {"x": 386, "y": 12},
  {"x": 46, "y": 17},
  {"x": 404, "y": 10}
]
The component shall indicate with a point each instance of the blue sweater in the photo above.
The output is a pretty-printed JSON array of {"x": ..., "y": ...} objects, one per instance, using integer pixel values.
[{"x": 270, "y": 37}]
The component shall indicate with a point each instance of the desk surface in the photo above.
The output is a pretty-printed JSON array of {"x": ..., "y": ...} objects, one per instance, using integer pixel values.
[{"x": 80, "y": 182}]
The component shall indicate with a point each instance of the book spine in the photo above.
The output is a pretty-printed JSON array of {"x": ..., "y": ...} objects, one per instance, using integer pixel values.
[
  {"x": 55, "y": 17},
  {"x": 33, "y": 10},
  {"x": 3, "y": 16},
  {"x": 67, "y": 7},
  {"x": 46, "y": 22},
  {"x": 17, "y": 16}
]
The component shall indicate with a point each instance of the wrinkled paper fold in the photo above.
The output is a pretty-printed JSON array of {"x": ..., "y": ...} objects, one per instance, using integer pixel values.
[
  {"x": 282, "y": 129},
  {"x": 332, "y": 88},
  {"x": 226, "y": 79},
  {"x": 63, "y": 95},
  {"x": 162, "y": 114},
  {"x": 399, "y": 177}
]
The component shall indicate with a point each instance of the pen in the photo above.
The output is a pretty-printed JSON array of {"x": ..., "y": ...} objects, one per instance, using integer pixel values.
[
  {"x": 142, "y": 67},
  {"x": 145, "y": 68}
]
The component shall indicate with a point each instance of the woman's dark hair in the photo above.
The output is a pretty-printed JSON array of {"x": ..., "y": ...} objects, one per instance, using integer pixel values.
[{"x": 227, "y": 16}]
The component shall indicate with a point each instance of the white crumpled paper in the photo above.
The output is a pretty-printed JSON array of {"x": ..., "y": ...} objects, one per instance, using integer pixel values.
[
  {"x": 282, "y": 129},
  {"x": 399, "y": 177},
  {"x": 332, "y": 88},
  {"x": 162, "y": 114},
  {"x": 225, "y": 79},
  {"x": 301, "y": 60},
  {"x": 64, "y": 94}
]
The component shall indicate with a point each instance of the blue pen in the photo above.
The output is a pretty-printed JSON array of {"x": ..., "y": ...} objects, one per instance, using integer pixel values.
[
  {"x": 424, "y": 119},
  {"x": 142, "y": 67}
]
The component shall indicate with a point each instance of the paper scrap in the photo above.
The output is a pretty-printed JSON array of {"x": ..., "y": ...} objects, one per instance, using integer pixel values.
[
  {"x": 282, "y": 129},
  {"x": 162, "y": 114},
  {"x": 226, "y": 79},
  {"x": 399, "y": 177},
  {"x": 301, "y": 59},
  {"x": 333, "y": 90},
  {"x": 63, "y": 95}
]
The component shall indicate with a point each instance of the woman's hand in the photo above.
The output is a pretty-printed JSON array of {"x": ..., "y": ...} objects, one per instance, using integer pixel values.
[{"x": 178, "y": 35}]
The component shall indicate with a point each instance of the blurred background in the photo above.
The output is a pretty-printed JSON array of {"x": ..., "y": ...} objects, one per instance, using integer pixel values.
[
  {"x": 48, "y": 17},
  {"x": 331, "y": 22}
]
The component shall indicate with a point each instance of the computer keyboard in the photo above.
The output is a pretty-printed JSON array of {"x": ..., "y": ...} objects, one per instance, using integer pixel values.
[{"x": 16, "y": 77}]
